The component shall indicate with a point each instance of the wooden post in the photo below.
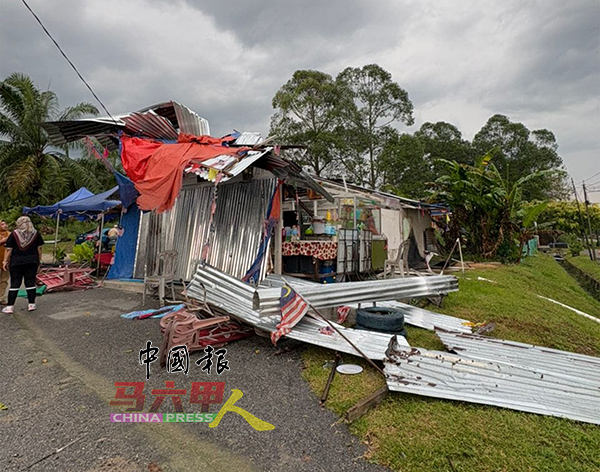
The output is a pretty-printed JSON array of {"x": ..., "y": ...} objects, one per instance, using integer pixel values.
[
  {"x": 336, "y": 362},
  {"x": 278, "y": 262},
  {"x": 462, "y": 262}
]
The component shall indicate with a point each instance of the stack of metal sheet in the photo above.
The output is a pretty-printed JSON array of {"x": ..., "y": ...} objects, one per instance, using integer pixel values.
[
  {"x": 235, "y": 297},
  {"x": 266, "y": 301}
]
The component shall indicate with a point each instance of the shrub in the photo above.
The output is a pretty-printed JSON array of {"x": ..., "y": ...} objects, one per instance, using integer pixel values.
[{"x": 83, "y": 253}]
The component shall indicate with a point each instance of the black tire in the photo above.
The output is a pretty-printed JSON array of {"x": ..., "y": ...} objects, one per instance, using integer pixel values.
[{"x": 380, "y": 319}]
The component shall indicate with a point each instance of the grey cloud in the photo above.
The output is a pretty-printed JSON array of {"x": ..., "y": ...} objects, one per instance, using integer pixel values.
[{"x": 537, "y": 62}]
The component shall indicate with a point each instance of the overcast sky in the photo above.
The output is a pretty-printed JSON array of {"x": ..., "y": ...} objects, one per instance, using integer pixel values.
[{"x": 461, "y": 61}]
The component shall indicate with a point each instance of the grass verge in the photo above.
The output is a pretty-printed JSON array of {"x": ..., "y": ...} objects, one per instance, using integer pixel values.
[{"x": 410, "y": 433}]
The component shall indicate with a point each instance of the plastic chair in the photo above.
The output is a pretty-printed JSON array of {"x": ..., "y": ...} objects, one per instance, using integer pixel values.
[
  {"x": 162, "y": 275},
  {"x": 400, "y": 261}
]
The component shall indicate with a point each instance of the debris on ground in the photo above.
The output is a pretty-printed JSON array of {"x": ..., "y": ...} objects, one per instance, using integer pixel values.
[
  {"x": 153, "y": 313},
  {"x": 65, "y": 278}
]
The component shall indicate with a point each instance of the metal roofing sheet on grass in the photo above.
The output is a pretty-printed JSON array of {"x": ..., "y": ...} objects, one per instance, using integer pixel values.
[
  {"x": 542, "y": 359},
  {"x": 449, "y": 376}
]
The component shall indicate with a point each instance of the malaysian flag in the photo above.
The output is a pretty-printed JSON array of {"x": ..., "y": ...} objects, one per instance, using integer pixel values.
[{"x": 293, "y": 308}]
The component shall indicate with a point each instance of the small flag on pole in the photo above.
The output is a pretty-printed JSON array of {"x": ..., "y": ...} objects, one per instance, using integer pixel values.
[{"x": 293, "y": 309}]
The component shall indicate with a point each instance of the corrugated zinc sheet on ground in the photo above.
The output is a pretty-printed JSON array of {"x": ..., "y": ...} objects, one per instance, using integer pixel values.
[
  {"x": 235, "y": 297},
  {"x": 333, "y": 295},
  {"x": 542, "y": 359},
  {"x": 443, "y": 375}
]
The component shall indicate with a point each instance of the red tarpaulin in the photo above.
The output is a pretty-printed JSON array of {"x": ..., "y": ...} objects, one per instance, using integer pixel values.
[
  {"x": 159, "y": 168},
  {"x": 135, "y": 154}
]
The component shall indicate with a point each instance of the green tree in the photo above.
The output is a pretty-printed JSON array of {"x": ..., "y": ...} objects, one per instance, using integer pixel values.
[
  {"x": 308, "y": 113},
  {"x": 487, "y": 209},
  {"x": 410, "y": 161},
  {"x": 31, "y": 170},
  {"x": 564, "y": 216},
  {"x": 443, "y": 140},
  {"x": 519, "y": 152},
  {"x": 378, "y": 103},
  {"x": 404, "y": 166}
]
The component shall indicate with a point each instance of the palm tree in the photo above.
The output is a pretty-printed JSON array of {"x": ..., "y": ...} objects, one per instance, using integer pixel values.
[{"x": 32, "y": 171}]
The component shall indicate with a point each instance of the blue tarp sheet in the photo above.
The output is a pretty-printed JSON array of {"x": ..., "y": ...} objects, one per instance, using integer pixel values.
[
  {"x": 122, "y": 267},
  {"x": 51, "y": 210}
]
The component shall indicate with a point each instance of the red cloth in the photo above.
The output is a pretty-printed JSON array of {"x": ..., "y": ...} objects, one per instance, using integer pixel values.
[
  {"x": 161, "y": 167},
  {"x": 135, "y": 154}
]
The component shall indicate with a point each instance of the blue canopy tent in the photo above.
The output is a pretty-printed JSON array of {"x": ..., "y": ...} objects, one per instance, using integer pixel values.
[
  {"x": 81, "y": 204},
  {"x": 51, "y": 210}
]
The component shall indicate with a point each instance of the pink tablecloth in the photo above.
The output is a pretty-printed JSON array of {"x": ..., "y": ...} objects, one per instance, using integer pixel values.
[{"x": 323, "y": 250}]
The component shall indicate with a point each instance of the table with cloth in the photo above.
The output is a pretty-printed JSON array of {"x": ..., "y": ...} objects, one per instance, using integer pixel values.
[{"x": 322, "y": 250}]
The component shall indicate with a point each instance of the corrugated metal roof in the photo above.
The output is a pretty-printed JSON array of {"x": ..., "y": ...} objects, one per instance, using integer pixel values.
[
  {"x": 542, "y": 359},
  {"x": 334, "y": 295},
  {"x": 235, "y": 297},
  {"x": 157, "y": 122},
  {"x": 189, "y": 121},
  {"x": 150, "y": 124},
  {"x": 443, "y": 375},
  {"x": 248, "y": 138}
]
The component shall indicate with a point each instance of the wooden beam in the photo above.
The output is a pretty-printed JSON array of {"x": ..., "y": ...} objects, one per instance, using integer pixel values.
[
  {"x": 365, "y": 404},
  {"x": 278, "y": 256}
]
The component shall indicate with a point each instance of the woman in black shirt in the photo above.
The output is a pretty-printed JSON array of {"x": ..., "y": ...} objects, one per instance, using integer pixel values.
[{"x": 22, "y": 258}]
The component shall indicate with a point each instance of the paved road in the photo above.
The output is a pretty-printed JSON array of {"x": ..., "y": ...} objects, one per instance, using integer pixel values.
[{"x": 57, "y": 372}]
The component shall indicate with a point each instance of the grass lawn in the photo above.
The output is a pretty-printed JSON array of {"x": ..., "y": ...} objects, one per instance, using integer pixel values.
[
  {"x": 586, "y": 265},
  {"x": 412, "y": 433}
]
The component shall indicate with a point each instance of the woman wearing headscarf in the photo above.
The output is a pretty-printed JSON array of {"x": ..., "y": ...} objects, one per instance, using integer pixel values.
[
  {"x": 4, "y": 234},
  {"x": 22, "y": 258}
]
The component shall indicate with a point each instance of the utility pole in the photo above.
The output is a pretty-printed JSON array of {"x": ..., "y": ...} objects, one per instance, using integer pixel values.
[
  {"x": 585, "y": 238},
  {"x": 587, "y": 212}
]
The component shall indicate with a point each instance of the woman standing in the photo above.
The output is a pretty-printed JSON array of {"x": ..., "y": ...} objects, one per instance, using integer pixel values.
[
  {"x": 22, "y": 258},
  {"x": 4, "y": 234}
]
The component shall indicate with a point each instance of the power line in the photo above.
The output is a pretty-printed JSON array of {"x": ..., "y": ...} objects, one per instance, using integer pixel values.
[
  {"x": 68, "y": 60},
  {"x": 593, "y": 183},
  {"x": 589, "y": 178}
]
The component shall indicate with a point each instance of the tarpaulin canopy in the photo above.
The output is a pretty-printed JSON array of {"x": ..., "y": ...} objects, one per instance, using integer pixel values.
[
  {"x": 50, "y": 210},
  {"x": 82, "y": 203},
  {"x": 92, "y": 205}
]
